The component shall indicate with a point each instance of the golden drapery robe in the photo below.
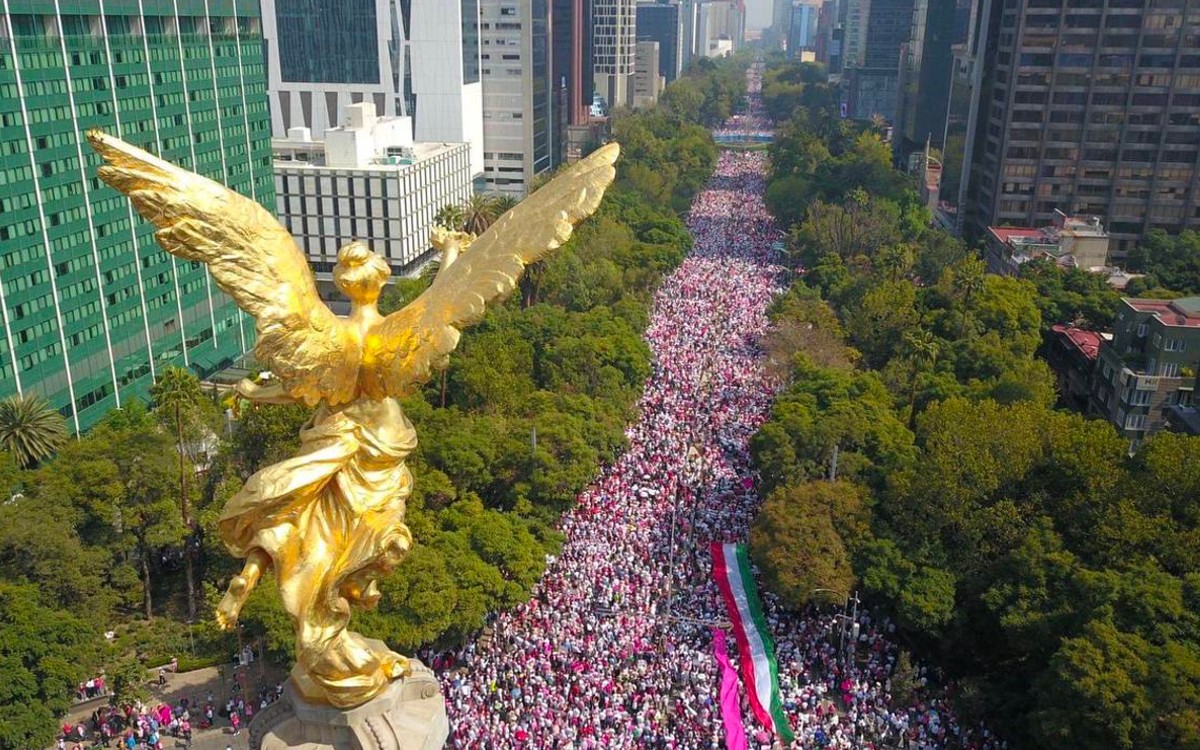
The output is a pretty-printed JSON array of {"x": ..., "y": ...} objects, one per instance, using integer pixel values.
[{"x": 332, "y": 519}]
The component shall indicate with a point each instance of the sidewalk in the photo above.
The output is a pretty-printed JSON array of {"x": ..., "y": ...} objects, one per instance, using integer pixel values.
[{"x": 196, "y": 686}]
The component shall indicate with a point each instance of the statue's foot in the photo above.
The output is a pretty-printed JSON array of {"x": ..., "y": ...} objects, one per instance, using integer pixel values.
[{"x": 231, "y": 604}]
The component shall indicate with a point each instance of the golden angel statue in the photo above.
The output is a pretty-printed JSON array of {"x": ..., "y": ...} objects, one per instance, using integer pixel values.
[{"x": 329, "y": 521}]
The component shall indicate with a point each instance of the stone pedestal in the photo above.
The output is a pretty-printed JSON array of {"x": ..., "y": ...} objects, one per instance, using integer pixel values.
[{"x": 409, "y": 715}]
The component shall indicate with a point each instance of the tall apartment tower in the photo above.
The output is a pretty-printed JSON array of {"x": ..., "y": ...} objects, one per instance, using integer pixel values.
[
  {"x": 615, "y": 38},
  {"x": 781, "y": 21},
  {"x": 925, "y": 68},
  {"x": 571, "y": 71},
  {"x": 802, "y": 32},
  {"x": 418, "y": 58},
  {"x": 91, "y": 308},
  {"x": 661, "y": 22},
  {"x": 883, "y": 34},
  {"x": 517, "y": 93},
  {"x": 1090, "y": 110},
  {"x": 689, "y": 12}
]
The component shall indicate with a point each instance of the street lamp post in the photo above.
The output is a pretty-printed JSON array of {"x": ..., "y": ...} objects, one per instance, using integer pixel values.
[{"x": 843, "y": 617}]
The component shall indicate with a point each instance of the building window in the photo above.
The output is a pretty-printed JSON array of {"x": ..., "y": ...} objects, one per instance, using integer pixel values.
[
  {"x": 1135, "y": 422},
  {"x": 1170, "y": 370},
  {"x": 1175, "y": 345}
]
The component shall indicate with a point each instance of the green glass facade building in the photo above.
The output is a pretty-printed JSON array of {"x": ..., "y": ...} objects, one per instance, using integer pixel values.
[{"x": 91, "y": 307}]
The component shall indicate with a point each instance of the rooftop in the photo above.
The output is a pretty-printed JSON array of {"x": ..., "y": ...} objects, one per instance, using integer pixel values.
[
  {"x": 1087, "y": 342},
  {"x": 364, "y": 141},
  {"x": 1063, "y": 226},
  {"x": 292, "y": 154},
  {"x": 1174, "y": 312}
]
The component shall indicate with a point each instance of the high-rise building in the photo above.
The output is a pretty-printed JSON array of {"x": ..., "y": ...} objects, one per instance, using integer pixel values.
[
  {"x": 927, "y": 62},
  {"x": 720, "y": 27},
  {"x": 615, "y": 38},
  {"x": 802, "y": 33},
  {"x": 418, "y": 58},
  {"x": 781, "y": 22},
  {"x": 1091, "y": 109},
  {"x": 92, "y": 309},
  {"x": 875, "y": 77},
  {"x": 689, "y": 12},
  {"x": 828, "y": 49},
  {"x": 962, "y": 114},
  {"x": 571, "y": 73},
  {"x": 367, "y": 180},
  {"x": 661, "y": 22},
  {"x": 853, "y": 16},
  {"x": 647, "y": 81},
  {"x": 517, "y": 93}
]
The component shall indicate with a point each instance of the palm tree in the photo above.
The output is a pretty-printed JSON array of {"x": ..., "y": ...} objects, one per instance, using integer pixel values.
[
  {"x": 178, "y": 398},
  {"x": 969, "y": 279},
  {"x": 894, "y": 260},
  {"x": 922, "y": 350},
  {"x": 479, "y": 211},
  {"x": 505, "y": 203},
  {"x": 450, "y": 216},
  {"x": 30, "y": 429}
]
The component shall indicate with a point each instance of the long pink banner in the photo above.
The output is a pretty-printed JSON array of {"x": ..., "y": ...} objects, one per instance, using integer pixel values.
[{"x": 731, "y": 712}]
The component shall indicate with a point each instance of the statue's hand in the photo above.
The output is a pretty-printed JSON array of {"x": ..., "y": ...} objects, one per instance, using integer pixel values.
[
  {"x": 439, "y": 236},
  {"x": 271, "y": 393}
]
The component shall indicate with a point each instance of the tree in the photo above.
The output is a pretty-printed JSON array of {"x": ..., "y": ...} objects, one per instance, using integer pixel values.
[
  {"x": 479, "y": 211},
  {"x": 1095, "y": 695},
  {"x": 181, "y": 404},
  {"x": 505, "y": 203},
  {"x": 969, "y": 276},
  {"x": 44, "y": 654},
  {"x": 1072, "y": 295},
  {"x": 127, "y": 681},
  {"x": 796, "y": 541},
  {"x": 878, "y": 323},
  {"x": 858, "y": 227},
  {"x": 30, "y": 430},
  {"x": 1173, "y": 261},
  {"x": 122, "y": 486},
  {"x": 267, "y": 433},
  {"x": 895, "y": 261},
  {"x": 450, "y": 216},
  {"x": 922, "y": 350}
]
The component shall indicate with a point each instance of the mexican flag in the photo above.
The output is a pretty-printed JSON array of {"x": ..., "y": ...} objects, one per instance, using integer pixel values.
[{"x": 760, "y": 672}]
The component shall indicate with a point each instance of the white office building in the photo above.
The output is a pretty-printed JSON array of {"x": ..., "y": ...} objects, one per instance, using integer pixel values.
[
  {"x": 416, "y": 58},
  {"x": 614, "y": 40},
  {"x": 367, "y": 180},
  {"x": 517, "y": 93}
]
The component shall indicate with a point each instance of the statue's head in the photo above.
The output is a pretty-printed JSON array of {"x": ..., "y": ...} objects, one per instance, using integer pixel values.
[{"x": 360, "y": 274}]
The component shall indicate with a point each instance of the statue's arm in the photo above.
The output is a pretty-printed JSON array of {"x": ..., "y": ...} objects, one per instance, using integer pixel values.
[{"x": 271, "y": 393}]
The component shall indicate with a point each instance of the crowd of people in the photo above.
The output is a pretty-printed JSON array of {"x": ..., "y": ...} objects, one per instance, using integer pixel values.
[
  {"x": 614, "y": 648},
  {"x": 156, "y": 724}
]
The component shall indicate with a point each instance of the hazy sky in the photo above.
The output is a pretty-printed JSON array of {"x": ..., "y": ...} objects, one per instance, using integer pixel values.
[{"x": 758, "y": 13}]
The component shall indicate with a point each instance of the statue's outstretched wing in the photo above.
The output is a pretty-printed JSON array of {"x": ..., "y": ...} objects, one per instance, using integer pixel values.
[
  {"x": 413, "y": 343},
  {"x": 252, "y": 258}
]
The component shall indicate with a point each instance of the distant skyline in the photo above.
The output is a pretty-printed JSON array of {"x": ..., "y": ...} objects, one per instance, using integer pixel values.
[{"x": 758, "y": 14}]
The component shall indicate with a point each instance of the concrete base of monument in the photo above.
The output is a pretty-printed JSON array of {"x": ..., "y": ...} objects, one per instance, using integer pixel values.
[{"x": 409, "y": 715}]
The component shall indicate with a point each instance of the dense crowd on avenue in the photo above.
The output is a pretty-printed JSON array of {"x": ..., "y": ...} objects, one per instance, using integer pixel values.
[{"x": 614, "y": 649}]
